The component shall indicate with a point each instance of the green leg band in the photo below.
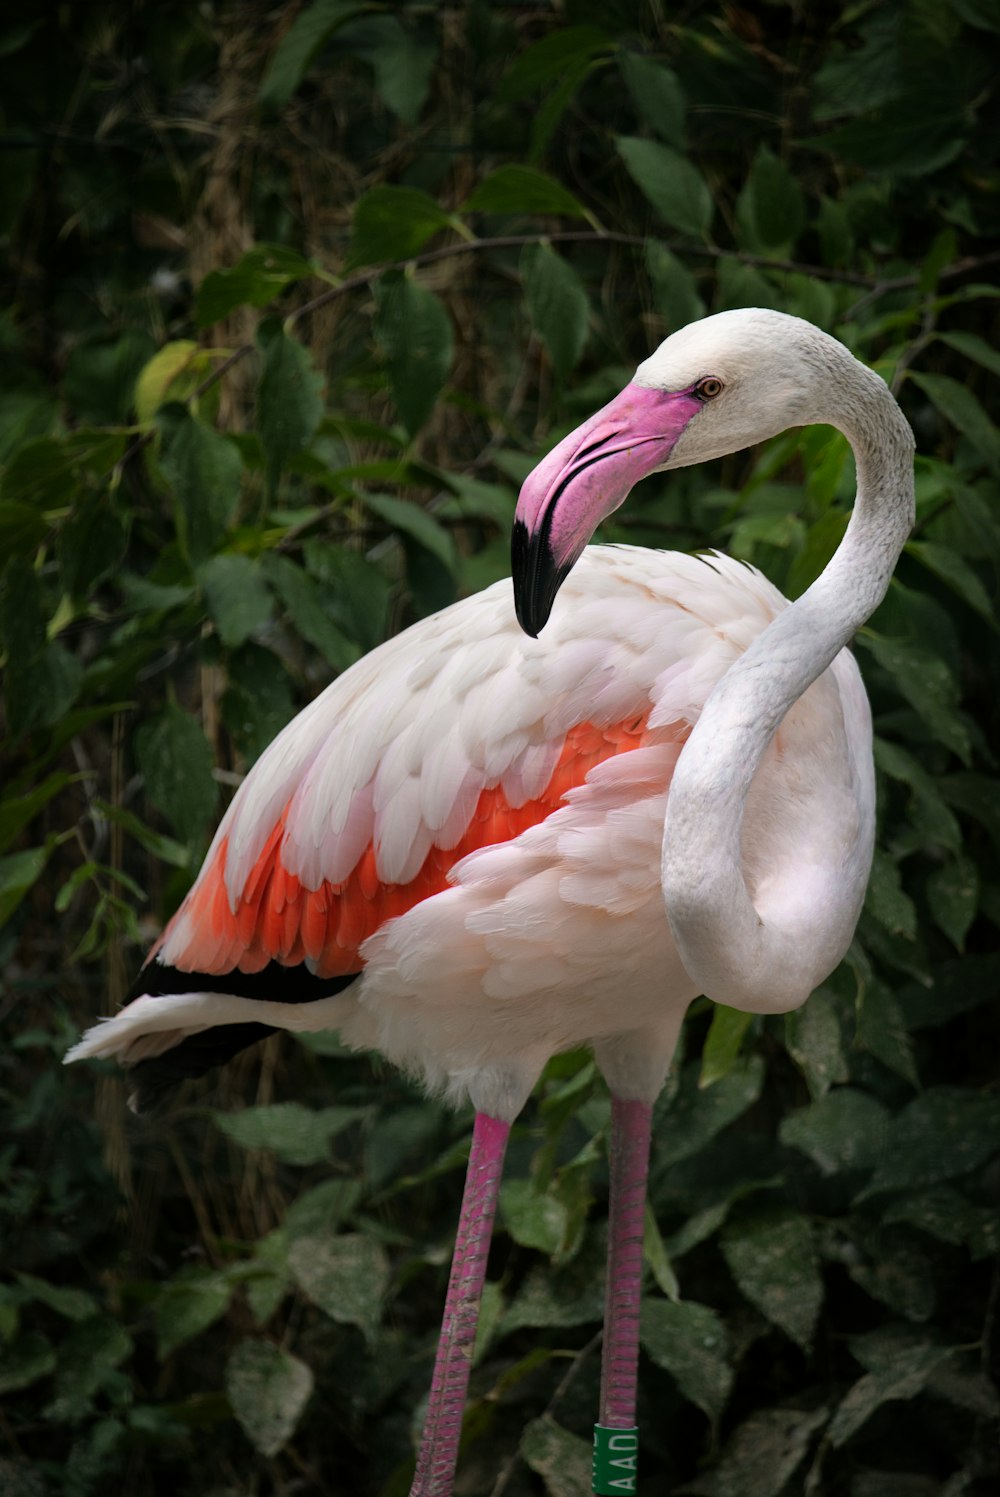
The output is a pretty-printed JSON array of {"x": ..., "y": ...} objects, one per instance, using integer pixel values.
[{"x": 616, "y": 1461}]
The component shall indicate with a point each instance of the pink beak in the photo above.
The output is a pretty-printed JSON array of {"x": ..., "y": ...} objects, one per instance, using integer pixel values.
[{"x": 583, "y": 479}]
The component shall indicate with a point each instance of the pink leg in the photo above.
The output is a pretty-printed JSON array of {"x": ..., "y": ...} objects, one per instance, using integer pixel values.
[
  {"x": 615, "y": 1455},
  {"x": 443, "y": 1426}
]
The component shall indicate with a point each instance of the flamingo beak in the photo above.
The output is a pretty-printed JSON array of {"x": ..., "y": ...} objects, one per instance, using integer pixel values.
[{"x": 583, "y": 479}]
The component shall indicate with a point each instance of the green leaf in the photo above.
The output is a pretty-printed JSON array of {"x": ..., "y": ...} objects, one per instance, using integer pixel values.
[
  {"x": 88, "y": 1357},
  {"x": 265, "y": 1292},
  {"x": 698, "y": 1227},
  {"x": 910, "y": 136},
  {"x": 943, "y": 1133},
  {"x": 19, "y": 872},
  {"x": 164, "y": 848},
  {"x": 409, "y": 519},
  {"x": 22, "y": 617},
  {"x": 13, "y": 38},
  {"x": 258, "y": 701},
  {"x": 144, "y": 596},
  {"x": 237, "y": 596},
  {"x": 393, "y": 223},
  {"x": 885, "y": 900},
  {"x": 72, "y": 1304},
  {"x": 22, "y": 528},
  {"x": 25, "y": 1360},
  {"x": 298, "y": 47},
  {"x": 289, "y": 398},
  {"x": 689, "y": 1341},
  {"x": 894, "y": 1269},
  {"x": 268, "y": 1390},
  {"x": 302, "y": 595},
  {"x": 983, "y": 14},
  {"x": 573, "y": 1296},
  {"x": 901, "y": 1365},
  {"x": 844, "y": 1130},
  {"x": 675, "y": 188},
  {"x": 533, "y": 1218},
  {"x": 695, "y": 1115},
  {"x": 414, "y": 333},
  {"x": 91, "y": 544},
  {"x": 761, "y": 1456},
  {"x": 882, "y": 1032},
  {"x": 674, "y": 287},
  {"x": 943, "y": 1212},
  {"x": 561, "y": 1459},
  {"x": 523, "y": 190},
  {"x": 960, "y": 407},
  {"x": 557, "y": 305},
  {"x": 163, "y": 369},
  {"x": 933, "y": 812},
  {"x": 926, "y": 682},
  {"x": 771, "y": 1256},
  {"x": 176, "y": 763},
  {"x": 41, "y": 678},
  {"x": 298, "y": 1135},
  {"x": 263, "y": 273},
  {"x": 656, "y": 94},
  {"x": 188, "y": 1306},
  {"x": 833, "y": 226},
  {"x": 953, "y": 898},
  {"x": 358, "y": 590},
  {"x": 771, "y": 203},
  {"x": 656, "y": 1257},
  {"x": 722, "y": 1044},
  {"x": 952, "y": 569},
  {"x": 345, "y": 1276},
  {"x": 319, "y": 1212},
  {"x": 545, "y": 62},
  {"x": 205, "y": 473},
  {"x": 813, "y": 1040},
  {"x": 402, "y": 58},
  {"x": 971, "y": 346},
  {"x": 101, "y": 372},
  {"x": 19, "y": 810}
]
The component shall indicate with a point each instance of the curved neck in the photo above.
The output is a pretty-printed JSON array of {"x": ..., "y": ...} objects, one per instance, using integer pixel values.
[{"x": 727, "y": 949}]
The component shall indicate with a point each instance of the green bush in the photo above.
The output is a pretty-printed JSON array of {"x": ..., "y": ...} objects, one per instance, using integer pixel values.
[{"x": 298, "y": 295}]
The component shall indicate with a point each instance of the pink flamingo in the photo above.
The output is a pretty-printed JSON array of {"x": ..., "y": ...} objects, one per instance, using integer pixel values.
[{"x": 476, "y": 848}]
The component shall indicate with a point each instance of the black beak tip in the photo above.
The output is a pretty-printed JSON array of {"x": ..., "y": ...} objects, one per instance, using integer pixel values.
[{"x": 537, "y": 577}]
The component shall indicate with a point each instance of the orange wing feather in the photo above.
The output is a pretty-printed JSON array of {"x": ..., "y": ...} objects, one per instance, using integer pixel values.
[{"x": 277, "y": 918}]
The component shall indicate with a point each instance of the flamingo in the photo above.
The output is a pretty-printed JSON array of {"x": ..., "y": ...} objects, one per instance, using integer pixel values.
[{"x": 479, "y": 847}]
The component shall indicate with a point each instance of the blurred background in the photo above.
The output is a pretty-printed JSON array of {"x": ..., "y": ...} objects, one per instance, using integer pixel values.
[{"x": 294, "y": 296}]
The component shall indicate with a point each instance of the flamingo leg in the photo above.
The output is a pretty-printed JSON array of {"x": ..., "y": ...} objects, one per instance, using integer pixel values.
[
  {"x": 616, "y": 1440},
  {"x": 438, "y": 1455}
]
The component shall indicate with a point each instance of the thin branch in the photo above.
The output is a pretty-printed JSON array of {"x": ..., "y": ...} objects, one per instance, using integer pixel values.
[
  {"x": 510, "y": 1465},
  {"x": 874, "y": 287},
  {"x": 913, "y": 351}
]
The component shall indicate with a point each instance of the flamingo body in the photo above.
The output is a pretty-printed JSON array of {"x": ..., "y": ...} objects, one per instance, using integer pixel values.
[
  {"x": 471, "y": 820},
  {"x": 478, "y": 848}
]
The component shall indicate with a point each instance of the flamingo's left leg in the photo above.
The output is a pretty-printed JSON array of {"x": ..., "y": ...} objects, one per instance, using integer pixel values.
[{"x": 438, "y": 1455}]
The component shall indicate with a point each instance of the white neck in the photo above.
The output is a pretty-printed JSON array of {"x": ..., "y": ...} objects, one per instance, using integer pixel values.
[{"x": 727, "y": 949}]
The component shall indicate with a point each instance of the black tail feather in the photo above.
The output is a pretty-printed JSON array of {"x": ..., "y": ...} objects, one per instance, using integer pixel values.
[{"x": 156, "y": 1077}]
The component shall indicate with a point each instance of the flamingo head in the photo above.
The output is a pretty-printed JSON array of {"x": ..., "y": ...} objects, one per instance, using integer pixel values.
[{"x": 713, "y": 387}]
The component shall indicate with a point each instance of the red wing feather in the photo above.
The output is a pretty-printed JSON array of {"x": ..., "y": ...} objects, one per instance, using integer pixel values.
[{"x": 277, "y": 918}]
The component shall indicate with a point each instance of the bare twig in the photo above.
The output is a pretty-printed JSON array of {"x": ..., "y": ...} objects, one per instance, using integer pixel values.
[
  {"x": 874, "y": 287},
  {"x": 511, "y": 1464}
]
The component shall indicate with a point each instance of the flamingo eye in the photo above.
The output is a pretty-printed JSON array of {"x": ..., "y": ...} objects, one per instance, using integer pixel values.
[{"x": 709, "y": 387}]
